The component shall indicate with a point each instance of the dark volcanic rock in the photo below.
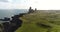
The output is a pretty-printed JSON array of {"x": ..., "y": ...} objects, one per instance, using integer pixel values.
[
  {"x": 5, "y": 19},
  {"x": 13, "y": 25},
  {"x": 5, "y": 26}
]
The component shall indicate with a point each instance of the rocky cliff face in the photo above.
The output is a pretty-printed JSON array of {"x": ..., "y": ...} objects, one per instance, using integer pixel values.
[{"x": 13, "y": 25}]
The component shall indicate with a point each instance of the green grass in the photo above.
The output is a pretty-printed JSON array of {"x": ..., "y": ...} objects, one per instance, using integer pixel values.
[{"x": 30, "y": 20}]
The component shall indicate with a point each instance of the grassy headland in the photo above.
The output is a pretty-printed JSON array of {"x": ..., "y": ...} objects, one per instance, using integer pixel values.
[{"x": 40, "y": 21}]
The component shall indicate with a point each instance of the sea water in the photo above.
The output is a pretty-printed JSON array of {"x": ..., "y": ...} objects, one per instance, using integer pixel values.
[{"x": 10, "y": 12}]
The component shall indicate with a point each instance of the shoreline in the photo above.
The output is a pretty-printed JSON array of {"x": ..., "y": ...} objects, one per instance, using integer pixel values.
[{"x": 13, "y": 24}]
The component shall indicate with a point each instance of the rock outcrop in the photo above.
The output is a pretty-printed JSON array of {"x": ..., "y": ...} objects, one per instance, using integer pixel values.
[{"x": 13, "y": 24}]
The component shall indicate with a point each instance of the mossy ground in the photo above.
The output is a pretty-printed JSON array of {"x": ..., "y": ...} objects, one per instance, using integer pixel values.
[{"x": 30, "y": 20}]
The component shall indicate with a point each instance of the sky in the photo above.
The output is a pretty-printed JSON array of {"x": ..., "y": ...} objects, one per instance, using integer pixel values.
[{"x": 25, "y": 4}]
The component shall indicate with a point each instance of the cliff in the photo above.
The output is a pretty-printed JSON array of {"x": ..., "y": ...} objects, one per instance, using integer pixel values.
[
  {"x": 40, "y": 21},
  {"x": 12, "y": 25}
]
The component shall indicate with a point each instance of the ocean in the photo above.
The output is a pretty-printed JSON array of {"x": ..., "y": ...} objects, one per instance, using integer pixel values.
[{"x": 10, "y": 12}]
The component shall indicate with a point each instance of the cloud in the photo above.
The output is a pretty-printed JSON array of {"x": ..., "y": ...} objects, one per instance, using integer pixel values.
[
  {"x": 3, "y": 0},
  {"x": 12, "y": 6}
]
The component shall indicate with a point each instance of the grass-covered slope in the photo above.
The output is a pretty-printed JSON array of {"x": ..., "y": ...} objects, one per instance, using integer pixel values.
[{"x": 40, "y": 22}]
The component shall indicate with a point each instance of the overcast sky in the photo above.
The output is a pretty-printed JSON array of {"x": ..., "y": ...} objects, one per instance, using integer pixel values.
[{"x": 25, "y": 4}]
